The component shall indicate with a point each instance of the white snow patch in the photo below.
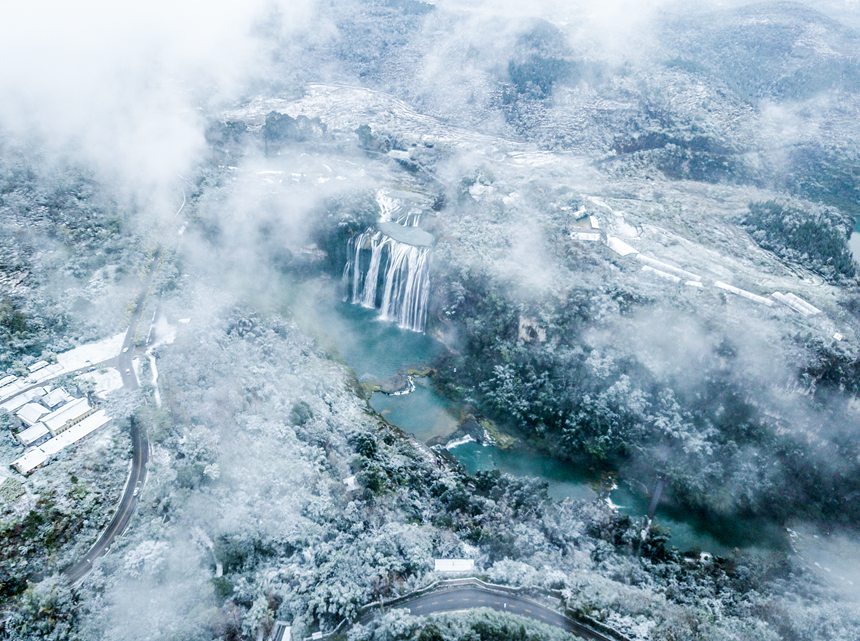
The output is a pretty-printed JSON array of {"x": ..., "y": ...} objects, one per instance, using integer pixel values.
[
  {"x": 136, "y": 366},
  {"x": 479, "y": 190},
  {"x": 91, "y": 353},
  {"x": 624, "y": 228},
  {"x": 165, "y": 333},
  {"x": 600, "y": 203},
  {"x": 106, "y": 381},
  {"x": 388, "y": 206},
  {"x": 154, "y": 371}
]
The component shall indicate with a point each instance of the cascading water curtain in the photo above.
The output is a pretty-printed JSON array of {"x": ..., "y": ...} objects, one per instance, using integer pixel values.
[{"x": 405, "y": 278}]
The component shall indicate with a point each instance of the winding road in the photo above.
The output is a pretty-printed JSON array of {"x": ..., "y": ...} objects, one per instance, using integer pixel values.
[
  {"x": 457, "y": 595},
  {"x": 139, "y": 458},
  {"x": 140, "y": 444}
]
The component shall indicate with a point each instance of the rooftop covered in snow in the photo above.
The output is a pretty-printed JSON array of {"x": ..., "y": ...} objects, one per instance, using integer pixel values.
[{"x": 30, "y": 413}]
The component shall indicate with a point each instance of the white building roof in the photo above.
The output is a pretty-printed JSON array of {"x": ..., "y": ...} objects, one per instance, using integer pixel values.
[
  {"x": 30, "y": 413},
  {"x": 667, "y": 267},
  {"x": 32, "y": 434},
  {"x": 68, "y": 412},
  {"x": 620, "y": 247},
  {"x": 36, "y": 456},
  {"x": 454, "y": 565},
  {"x": 35, "y": 367},
  {"x": 44, "y": 373},
  {"x": 56, "y": 398},
  {"x": 282, "y": 632},
  {"x": 660, "y": 273},
  {"x": 17, "y": 401},
  {"x": 10, "y": 389},
  {"x": 796, "y": 303},
  {"x": 743, "y": 293},
  {"x": 32, "y": 459},
  {"x": 76, "y": 432},
  {"x": 11, "y": 378}
]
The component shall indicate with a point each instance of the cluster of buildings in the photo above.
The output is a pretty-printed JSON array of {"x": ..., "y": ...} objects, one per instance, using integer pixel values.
[
  {"x": 586, "y": 227},
  {"x": 40, "y": 371},
  {"x": 50, "y": 419}
]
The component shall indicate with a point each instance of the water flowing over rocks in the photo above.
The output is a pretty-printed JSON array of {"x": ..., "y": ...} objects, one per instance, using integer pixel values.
[{"x": 389, "y": 269}]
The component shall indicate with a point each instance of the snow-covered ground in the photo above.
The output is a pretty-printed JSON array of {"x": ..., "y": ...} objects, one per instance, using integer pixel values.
[
  {"x": 137, "y": 368},
  {"x": 106, "y": 380},
  {"x": 91, "y": 353},
  {"x": 70, "y": 361},
  {"x": 153, "y": 370},
  {"x": 161, "y": 332}
]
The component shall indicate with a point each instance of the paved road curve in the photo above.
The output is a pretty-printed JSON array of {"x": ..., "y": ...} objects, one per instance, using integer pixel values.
[
  {"x": 140, "y": 455},
  {"x": 140, "y": 444},
  {"x": 124, "y": 512},
  {"x": 453, "y": 598}
]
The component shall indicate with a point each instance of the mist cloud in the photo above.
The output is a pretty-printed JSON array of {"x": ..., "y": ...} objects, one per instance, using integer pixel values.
[{"x": 124, "y": 88}]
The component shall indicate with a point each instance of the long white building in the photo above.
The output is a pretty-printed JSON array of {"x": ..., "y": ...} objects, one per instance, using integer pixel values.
[
  {"x": 66, "y": 415},
  {"x": 39, "y": 455}
]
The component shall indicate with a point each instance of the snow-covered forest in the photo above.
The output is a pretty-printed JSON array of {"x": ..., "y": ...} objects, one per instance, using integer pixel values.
[{"x": 309, "y": 251}]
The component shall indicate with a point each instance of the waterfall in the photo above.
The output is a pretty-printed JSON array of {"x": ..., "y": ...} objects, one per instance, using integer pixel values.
[{"x": 390, "y": 275}]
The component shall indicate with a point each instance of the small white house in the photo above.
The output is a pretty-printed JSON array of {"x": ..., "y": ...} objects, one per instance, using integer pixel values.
[
  {"x": 32, "y": 434},
  {"x": 76, "y": 432},
  {"x": 35, "y": 367},
  {"x": 32, "y": 459},
  {"x": 30, "y": 413},
  {"x": 66, "y": 415}
]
